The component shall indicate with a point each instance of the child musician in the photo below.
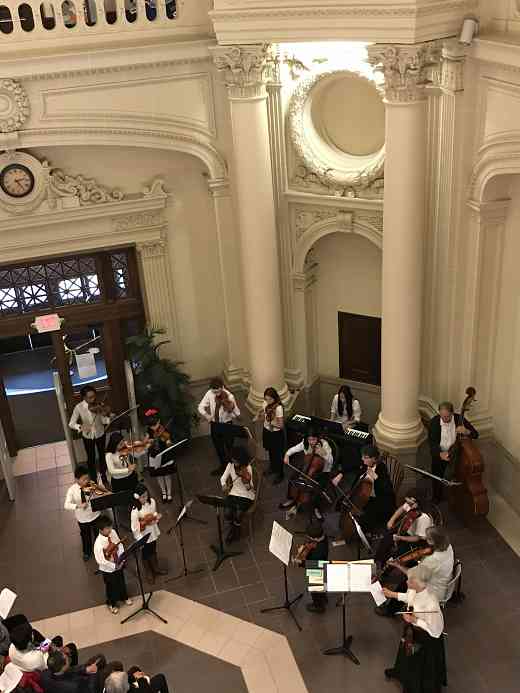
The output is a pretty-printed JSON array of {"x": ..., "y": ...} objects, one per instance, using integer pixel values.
[
  {"x": 238, "y": 478},
  {"x": 78, "y": 500},
  {"x": 144, "y": 520},
  {"x": 107, "y": 549},
  {"x": 159, "y": 437},
  {"x": 316, "y": 548},
  {"x": 122, "y": 471}
]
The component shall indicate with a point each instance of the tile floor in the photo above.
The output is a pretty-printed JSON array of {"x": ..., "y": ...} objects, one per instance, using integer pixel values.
[{"x": 40, "y": 559}]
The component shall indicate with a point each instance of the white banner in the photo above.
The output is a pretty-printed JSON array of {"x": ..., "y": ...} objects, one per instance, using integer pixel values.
[{"x": 86, "y": 364}]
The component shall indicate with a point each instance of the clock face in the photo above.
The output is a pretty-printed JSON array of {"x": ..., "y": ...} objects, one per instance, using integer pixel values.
[{"x": 16, "y": 180}]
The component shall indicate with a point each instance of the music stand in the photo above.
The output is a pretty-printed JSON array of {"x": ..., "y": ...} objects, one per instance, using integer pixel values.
[
  {"x": 362, "y": 538},
  {"x": 183, "y": 515},
  {"x": 133, "y": 550},
  {"x": 280, "y": 546},
  {"x": 218, "y": 503},
  {"x": 111, "y": 501}
]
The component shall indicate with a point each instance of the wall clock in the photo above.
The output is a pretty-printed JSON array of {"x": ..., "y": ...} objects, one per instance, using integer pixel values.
[{"x": 17, "y": 180}]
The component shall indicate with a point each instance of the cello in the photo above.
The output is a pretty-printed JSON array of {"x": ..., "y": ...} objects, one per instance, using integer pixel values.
[
  {"x": 353, "y": 503},
  {"x": 313, "y": 465},
  {"x": 470, "y": 499}
]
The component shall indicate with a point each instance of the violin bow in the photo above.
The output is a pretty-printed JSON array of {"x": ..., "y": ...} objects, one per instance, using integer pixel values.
[
  {"x": 432, "y": 476},
  {"x": 119, "y": 416}
]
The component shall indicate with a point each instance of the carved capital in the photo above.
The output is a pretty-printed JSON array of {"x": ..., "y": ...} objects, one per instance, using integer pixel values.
[
  {"x": 406, "y": 69},
  {"x": 452, "y": 67},
  {"x": 152, "y": 249},
  {"x": 246, "y": 69},
  {"x": 14, "y": 106}
]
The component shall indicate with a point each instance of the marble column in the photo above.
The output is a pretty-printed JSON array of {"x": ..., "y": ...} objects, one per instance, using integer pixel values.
[
  {"x": 158, "y": 291},
  {"x": 406, "y": 73},
  {"x": 245, "y": 70}
]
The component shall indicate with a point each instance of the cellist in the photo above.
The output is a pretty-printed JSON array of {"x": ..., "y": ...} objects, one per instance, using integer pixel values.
[
  {"x": 313, "y": 446},
  {"x": 381, "y": 503}
]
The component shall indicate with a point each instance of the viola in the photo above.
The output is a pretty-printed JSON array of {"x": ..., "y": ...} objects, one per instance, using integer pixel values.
[
  {"x": 304, "y": 550},
  {"x": 470, "y": 499}
]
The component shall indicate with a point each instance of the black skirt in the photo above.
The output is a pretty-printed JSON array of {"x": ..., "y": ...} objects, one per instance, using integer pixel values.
[{"x": 424, "y": 671}]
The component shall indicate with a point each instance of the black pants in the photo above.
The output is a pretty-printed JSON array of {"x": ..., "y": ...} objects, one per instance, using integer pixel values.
[
  {"x": 88, "y": 531},
  {"x": 439, "y": 469},
  {"x": 375, "y": 515},
  {"x": 115, "y": 587},
  {"x": 158, "y": 684},
  {"x": 274, "y": 443},
  {"x": 319, "y": 600},
  {"x": 236, "y": 507},
  {"x": 90, "y": 449},
  {"x": 149, "y": 550},
  {"x": 223, "y": 443}
]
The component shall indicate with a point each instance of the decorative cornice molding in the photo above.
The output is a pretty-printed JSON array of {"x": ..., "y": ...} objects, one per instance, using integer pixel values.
[
  {"x": 139, "y": 220},
  {"x": 406, "y": 69},
  {"x": 86, "y": 190},
  {"x": 14, "y": 106},
  {"x": 82, "y": 71},
  {"x": 349, "y": 180},
  {"x": 306, "y": 216},
  {"x": 246, "y": 69}
]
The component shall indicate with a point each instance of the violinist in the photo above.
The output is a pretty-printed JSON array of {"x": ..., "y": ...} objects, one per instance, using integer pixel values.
[
  {"x": 443, "y": 432},
  {"x": 159, "y": 438},
  {"x": 88, "y": 419},
  {"x": 144, "y": 520},
  {"x": 78, "y": 500},
  {"x": 237, "y": 483},
  {"x": 218, "y": 406},
  {"x": 313, "y": 446},
  {"x": 381, "y": 503},
  {"x": 406, "y": 529},
  {"x": 121, "y": 468},
  {"x": 316, "y": 548},
  {"x": 420, "y": 665},
  {"x": 107, "y": 549},
  {"x": 439, "y": 563},
  {"x": 273, "y": 436}
]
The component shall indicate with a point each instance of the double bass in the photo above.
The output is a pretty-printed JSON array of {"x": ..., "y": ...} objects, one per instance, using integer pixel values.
[{"x": 470, "y": 499}]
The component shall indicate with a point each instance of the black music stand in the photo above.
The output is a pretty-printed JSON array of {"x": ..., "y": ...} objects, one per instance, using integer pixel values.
[
  {"x": 344, "y": 648},
  {"x": 133, "y": 550},
  {"x": 111, "y": 501},
  {"x": 218, "y": 503},
  {"x": 287, "y": 604},
  {"x": 183, "y": 515}
]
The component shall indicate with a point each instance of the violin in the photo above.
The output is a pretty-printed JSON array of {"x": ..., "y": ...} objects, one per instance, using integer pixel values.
[
  {"x": 244, "y": 474},
  {"x": 303, "y": 551},
  {"x": 94, "y": 490},
  {"x": 408, "y": 521},
  {"x": 137, "y": 446},
  {"x": 149, "y": 519},
  {"x": 111, "y": 550},
  {"x": 387, "y": 543},
  {"x": 224, "y": 400},
  {"x": 403, "y": 559},
  {"x": 100, "y": 408}
]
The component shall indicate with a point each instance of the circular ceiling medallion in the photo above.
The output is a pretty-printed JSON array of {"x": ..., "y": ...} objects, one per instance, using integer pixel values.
[{"x": 337, "y": 125}]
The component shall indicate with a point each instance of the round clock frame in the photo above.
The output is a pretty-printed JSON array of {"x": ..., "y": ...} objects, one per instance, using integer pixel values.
[{"x": 6, "y": 184}]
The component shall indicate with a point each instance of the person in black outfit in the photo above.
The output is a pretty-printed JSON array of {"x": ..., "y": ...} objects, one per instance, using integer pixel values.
[
  {"x": 147, "y": 684},
  {"x": 60, "y": 677},
  {"x": 443, "y": 432},
  {"x": 381, "y": 506},
  {"x": 318, "y": 542}
]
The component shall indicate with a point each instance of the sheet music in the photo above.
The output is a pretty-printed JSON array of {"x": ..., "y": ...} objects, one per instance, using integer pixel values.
[
  {"x": 349, "y": 577},
  {"x": 281, "y": 543},
  {"x": 377, "y": 593},
  {"x": 360, "y": 577},
  {"x": 7, "y": 598},
  {"x": 338, "y": 577}
]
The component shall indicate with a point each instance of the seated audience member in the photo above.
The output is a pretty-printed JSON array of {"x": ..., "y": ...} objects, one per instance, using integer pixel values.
[
  {"x": 18, "y": 619},
  {"x": 23, "y": 652},
  {"x": 61, "y": 677},
  {"x": 117, "y": 682},
  {"x": 105, "y": 669},
  {"x": 147, "y": 684},
  {"x": 5, "y": 640}
]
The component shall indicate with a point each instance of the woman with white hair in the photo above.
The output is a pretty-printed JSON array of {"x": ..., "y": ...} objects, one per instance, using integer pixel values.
[{"x": 420, "y": 665}]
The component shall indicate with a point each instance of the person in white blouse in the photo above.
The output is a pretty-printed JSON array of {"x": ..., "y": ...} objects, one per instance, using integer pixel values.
[
  {"x": 78, "y": 500},
  {"x": 420, "y": 664},
  {"x": 121, "y": 469},
  {"x": 218, "y": 406},
  {"x": 92, "y": 426},
  {"x": 237, "y": 482},
  {"x": 406, "y": 529},
  {"x": 312, "y": 445},
  {"x": 23, "y": 653},
  {"x": 107, "y": 559},
  {"x": 344, "y": 408},
  {"x": 273, "y": 436},
  {"x": 144, "y": 521}
]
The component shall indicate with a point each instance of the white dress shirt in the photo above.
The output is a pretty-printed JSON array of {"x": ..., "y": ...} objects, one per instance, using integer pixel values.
[
  {"x": 238, "y": 488},
  {"x": 92, "y": 425},
  {"x": 344, "y": 418},
  {"x": 117, "y": 467},
  {"x": 73, "y": 502},
  {"x": 278, "y": 414},
  {"x": 425, "y": 601},
  {"x": 100, "y": 544},
  {"x": 440, "y": 568},
  {"x": 325, "y": 452},
  {"x": 420, "y": 525},
  {"x": 153, "y": 530},
  {"x": 28, "y": 660},
  {"x": 208, "y": 404},
  {"x": 448, "y": 434}
]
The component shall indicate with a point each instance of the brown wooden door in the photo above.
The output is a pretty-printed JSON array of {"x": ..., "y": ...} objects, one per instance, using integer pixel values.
[{"x": 359, "y": 348}]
